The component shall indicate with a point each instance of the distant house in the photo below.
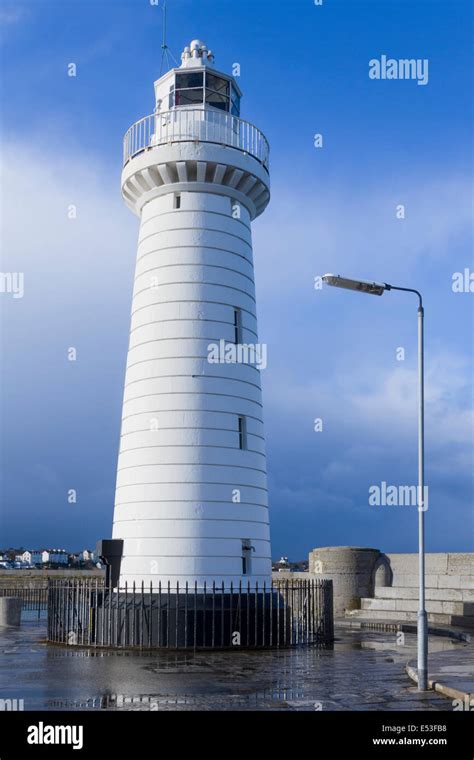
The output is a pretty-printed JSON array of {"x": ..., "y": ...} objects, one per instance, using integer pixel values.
[
  {"x": 87, "y": 556},
  {"x": 285, "y": 566},
  {"x": 19, "y": 563},
  {"x": 22, "y": 560},
  {"x": 4, "y": 561},
  {"x": 31, "y": 557},
  {"x": 55, "y": 556},
  {"x": 282, "y": 564},
  {"x": 50, "y": 556}
]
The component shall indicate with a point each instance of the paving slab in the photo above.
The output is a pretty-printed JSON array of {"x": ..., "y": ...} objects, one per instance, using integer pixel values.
[{"x": 451, "y": 673}]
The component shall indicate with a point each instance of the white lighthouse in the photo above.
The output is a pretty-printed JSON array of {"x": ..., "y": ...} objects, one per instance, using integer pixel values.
[{"x": 191, "y": 494}]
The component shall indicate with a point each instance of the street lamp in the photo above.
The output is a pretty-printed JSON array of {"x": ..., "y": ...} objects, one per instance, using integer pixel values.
[{"x": 377, "y": 289}]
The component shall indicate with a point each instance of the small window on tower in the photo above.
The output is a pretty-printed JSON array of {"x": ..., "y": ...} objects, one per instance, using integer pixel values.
[
  {"x": 237, "y": 326},
  {"x": 242, "y": 432},
  {"x": 246, "y": 556},
  {"x": 177, "y": 200}
]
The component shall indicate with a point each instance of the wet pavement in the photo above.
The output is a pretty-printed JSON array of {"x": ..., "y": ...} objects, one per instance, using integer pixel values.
[
  {"x": 363, "y": 671},
  {"x": 452, "y": 673}
]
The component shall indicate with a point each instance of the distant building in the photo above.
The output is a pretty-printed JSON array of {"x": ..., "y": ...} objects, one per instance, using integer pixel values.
[
  {"x": 33, "y": 557},
  {"x": 25, "y": 557},
  {"x": 87, "y": 555},
  {"x": 285, "y": 566},
  {"x": 19, "y": 563},
  {"x": 55, "y": 556},
  {"x": 5, "y": 563}
]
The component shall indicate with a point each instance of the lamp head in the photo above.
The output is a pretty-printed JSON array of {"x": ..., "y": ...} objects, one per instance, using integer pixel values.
[{"x": 363, "y": 286}]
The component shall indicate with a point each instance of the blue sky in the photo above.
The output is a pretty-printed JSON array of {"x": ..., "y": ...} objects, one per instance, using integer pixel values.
[{"x": 304, "y": 70}]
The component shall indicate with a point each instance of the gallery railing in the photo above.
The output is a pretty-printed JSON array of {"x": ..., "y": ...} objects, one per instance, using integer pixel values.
[
  {"x": 279, "y": 614},
  {"x": 195, "y": 124}
]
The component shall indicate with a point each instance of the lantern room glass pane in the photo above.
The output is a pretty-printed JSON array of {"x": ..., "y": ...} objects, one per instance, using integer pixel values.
[
  {"x": 189, "y": 89},
  {"x": 188, "y": 97},
  {"x": 217, "y": 84},
  {"x": 216, "y": 100},
  {"x": 235, "y": 102},
  {"x": 192, "y": 79}
]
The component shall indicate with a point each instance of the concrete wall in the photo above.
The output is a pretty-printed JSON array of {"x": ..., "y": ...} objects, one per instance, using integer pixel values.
[
  {"x": 36, "y": 578},
  {"x": 442, "y": 570},
  {"x": 352, "y": 571},
  {"x": 386, "y": 585}
]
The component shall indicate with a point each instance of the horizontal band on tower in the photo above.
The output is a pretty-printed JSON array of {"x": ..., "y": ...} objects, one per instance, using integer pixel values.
[
  {"x": 193, "y": 483},
  {"x": 188, "y": 445},
  {"x": 216, "y": 321},
  {"x": 214, "y": 339},
  {"x": 185, "y": 393},
  {"x": 192, "y": 464},
  {"x": 193, "y": 229},
  {"x": 200, "y": 247},
  {"x": 176, "y": 503},
  {"x": 201, "y": 377},
  {"x": 195, "y": 264},
  {"x": 204, "y": 212},
  {"x": 191, "y": 283},
  {"x": 196, "y": 411},
  {"x": 195, "y": 301}
]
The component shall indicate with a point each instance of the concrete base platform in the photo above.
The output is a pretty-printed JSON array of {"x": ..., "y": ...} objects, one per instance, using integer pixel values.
[{"x": 181, "y": 621}]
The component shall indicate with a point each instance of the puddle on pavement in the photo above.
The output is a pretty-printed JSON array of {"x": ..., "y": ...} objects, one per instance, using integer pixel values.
[{"x": 362, "y": 671}]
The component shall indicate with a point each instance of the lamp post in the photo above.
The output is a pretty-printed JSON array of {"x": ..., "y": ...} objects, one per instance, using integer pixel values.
[{"x": 377, "y": 289}]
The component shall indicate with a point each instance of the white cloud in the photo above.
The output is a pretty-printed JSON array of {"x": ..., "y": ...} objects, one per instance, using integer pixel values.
[
  {"x": 363, "y": 409},
  {"x": 12, "y": 15},
  {"x": 89, "y": 259},
  {"x": 304, "y": 234}
]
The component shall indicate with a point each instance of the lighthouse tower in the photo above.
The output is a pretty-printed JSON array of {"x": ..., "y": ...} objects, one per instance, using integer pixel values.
[{"x": 191, "y": 492}]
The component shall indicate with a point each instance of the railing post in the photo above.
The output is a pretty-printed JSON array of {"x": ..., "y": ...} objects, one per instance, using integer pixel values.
[
  {"x": 150, "y": 621},
  {"x": 176, "y": 630}
]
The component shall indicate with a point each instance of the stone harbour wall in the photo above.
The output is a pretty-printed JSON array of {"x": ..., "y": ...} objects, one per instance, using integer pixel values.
[{"x": 370, "y": 585}]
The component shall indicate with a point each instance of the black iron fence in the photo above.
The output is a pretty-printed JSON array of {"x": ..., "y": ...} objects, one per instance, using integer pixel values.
[
  {"x": 279, "y": 614},
  {"x": 32, "y": 598}
]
